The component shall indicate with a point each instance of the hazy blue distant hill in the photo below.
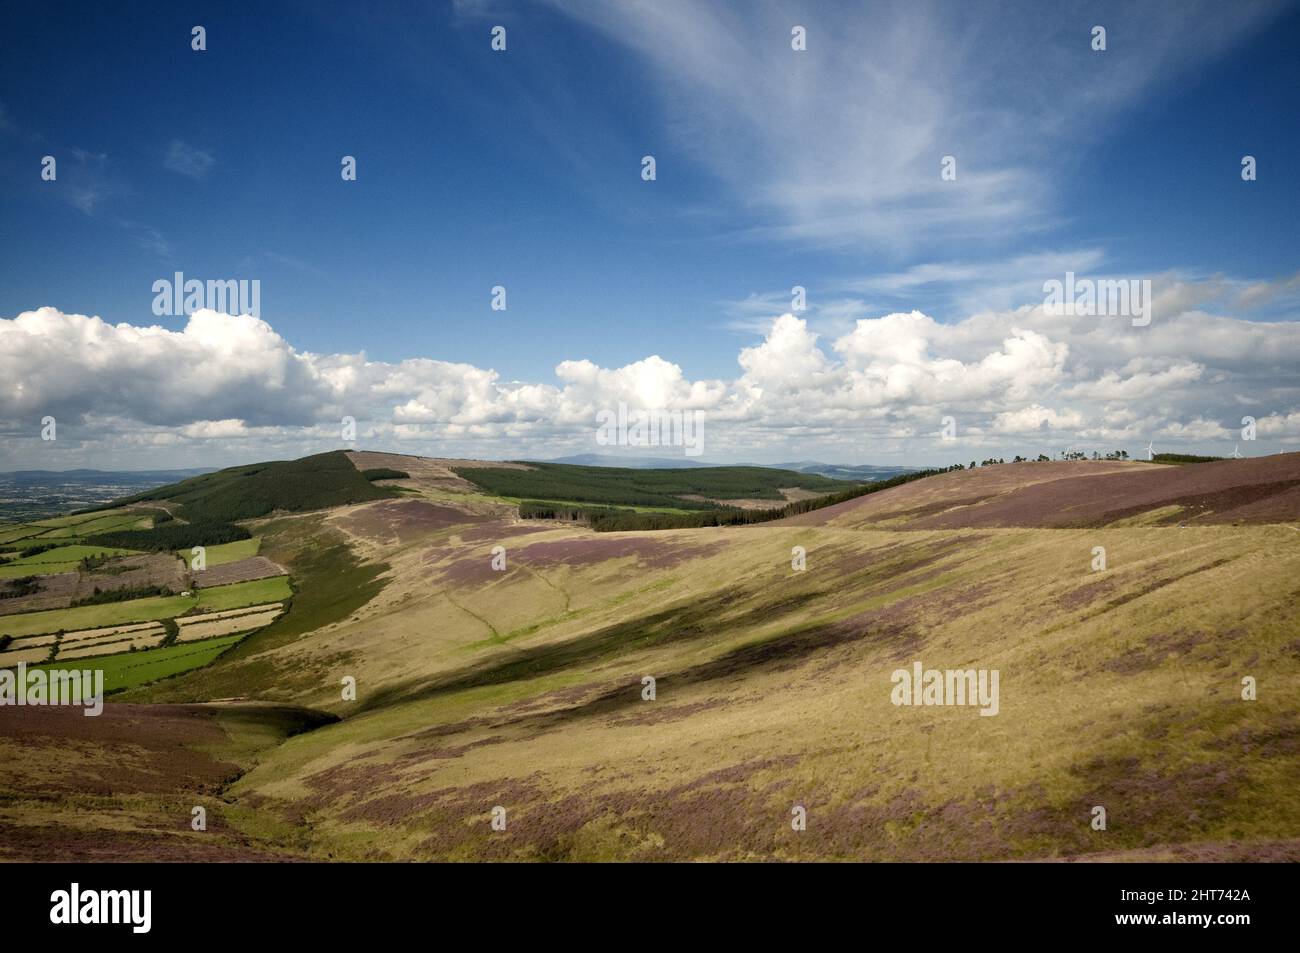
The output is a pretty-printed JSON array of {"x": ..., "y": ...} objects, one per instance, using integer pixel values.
[
  {"x": 631, "y": 463},
  {"x": 864, "y": 472}
]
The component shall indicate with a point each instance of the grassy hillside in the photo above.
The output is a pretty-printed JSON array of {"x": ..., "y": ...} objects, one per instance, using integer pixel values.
[
  {"x": 330, "y": 584},
  {"x": 773, "y": 650},
  {"x": 773, "y": 690}
]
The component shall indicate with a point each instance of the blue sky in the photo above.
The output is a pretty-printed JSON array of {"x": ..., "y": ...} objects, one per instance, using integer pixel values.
[{"x": 775, "y": 168}]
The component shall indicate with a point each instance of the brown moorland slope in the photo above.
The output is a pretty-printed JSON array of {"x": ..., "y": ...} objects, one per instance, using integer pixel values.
[
  {"x": 1081, "y": 494},
  {"x": 521, "y": 685},
  {"x": 426, "y": 473},
  {"x": 123, "y": 786}
]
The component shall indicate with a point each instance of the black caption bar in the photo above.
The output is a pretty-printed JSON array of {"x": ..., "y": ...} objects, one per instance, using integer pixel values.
[{"x": 142, "y": 903}]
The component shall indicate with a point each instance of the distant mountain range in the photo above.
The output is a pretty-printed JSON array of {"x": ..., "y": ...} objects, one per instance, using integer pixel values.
[
  {"x": 863, "y": 472},
  {"x": 631, "y": 463}
]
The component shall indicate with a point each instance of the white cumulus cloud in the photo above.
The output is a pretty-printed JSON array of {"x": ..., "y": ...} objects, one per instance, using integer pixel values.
[{"x": 144, "y": 395}]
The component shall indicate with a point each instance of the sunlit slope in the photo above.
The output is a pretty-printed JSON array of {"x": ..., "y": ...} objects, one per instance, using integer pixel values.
[
  {"x": 1118, "y": 688},
  {"x": 431, "y": 594},
  {"x": 478, "y": 687}
]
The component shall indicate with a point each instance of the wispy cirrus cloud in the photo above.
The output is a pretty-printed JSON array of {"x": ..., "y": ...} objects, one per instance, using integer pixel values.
[
  {"x": 90, "y": 181},
  {"x": 86, "y": 180},
  {"x": 149, "y": 239},
  {"x": 842, "y": 144},
  {"x": 187, "y": 160}
]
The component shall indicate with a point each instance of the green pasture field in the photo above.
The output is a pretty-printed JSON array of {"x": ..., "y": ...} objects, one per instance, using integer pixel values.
[
  {"x": 149, "y": 609},
  {"x": 239, "y": 594},
  {"x": 224, "y": 553},
  {"x": 71, "y": 520},
  {"x": 110, "y": 523},
  {"x": 33, "y": 542},
  {"x": 17, "y": 569},
  {"x": 9, "y": 532},
  {"x": 131, "y": 669},
  {"x": 60, "y": 559},
  {"x": 71, "y": 554}
]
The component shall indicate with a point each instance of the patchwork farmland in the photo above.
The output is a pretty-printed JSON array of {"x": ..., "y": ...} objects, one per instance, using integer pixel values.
[{"x": 68, "y": 598}]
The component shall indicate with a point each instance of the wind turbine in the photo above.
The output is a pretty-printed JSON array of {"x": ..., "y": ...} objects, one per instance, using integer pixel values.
[
  {"x": 1236, "y": 452},
  {"x": 1151, "y": 453}
]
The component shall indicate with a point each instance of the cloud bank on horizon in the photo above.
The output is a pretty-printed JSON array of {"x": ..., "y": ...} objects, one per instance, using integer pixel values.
[{"x": 1022, "y": 380}]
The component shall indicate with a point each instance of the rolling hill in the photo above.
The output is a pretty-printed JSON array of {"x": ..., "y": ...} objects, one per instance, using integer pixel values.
[
  {"x": 1083, "y": 493},
  {"x": 502, "y": 663},
  {"x": 238, "y": 493}
]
